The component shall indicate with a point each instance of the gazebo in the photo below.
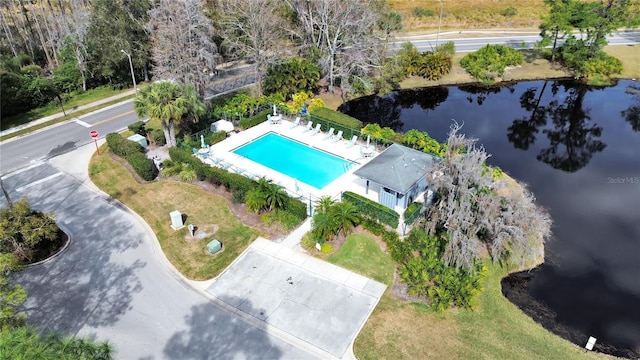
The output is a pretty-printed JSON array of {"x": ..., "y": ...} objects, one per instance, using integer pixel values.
[{"x": 399, "y": 175}]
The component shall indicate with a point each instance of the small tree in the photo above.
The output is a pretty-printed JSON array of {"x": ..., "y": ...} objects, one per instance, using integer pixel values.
[
  {"x": 11, "y": 296},
  {"x": 23, "y": 231}
]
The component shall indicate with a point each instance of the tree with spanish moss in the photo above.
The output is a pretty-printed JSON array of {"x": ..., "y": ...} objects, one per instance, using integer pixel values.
[{"x": 474, "y": 211}]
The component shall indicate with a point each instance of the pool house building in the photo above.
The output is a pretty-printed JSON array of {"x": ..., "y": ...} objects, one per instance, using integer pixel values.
[{"x": 399, "y": 175}]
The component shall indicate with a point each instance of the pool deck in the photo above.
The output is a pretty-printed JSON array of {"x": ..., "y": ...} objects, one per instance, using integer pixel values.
[{"x": 239, "y": 164}]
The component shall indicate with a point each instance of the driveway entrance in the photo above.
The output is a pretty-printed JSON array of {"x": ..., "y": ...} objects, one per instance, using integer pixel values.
[{"x": 317, "y": 302}]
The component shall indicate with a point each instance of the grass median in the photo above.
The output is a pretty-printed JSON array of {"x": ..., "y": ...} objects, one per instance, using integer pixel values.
[
  {"x": 155, "y": 200},
  {"x": 497, "y": 329}
]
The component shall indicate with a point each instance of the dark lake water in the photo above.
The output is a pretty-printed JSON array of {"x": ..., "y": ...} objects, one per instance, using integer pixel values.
[{"x": 578, "y": 149}]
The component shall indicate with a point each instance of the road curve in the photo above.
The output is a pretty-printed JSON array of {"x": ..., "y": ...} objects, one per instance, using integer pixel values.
[{"x": 113, "y": 283}]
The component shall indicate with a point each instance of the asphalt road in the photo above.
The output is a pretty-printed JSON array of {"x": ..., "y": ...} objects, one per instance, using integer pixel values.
[
  {"x": 113, "y": 283},
  {"x": 64, "y": 137},
  {"x": 464, "y": 44}
]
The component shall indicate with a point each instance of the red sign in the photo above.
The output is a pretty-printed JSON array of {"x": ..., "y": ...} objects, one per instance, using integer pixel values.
[{"x": 94, "y": 134}]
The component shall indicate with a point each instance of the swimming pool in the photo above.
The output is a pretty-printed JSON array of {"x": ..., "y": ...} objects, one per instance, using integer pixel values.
[{"x": 297, "y": 160}]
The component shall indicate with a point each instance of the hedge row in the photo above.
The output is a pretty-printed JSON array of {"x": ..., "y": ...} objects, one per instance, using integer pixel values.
[
  {"x": 412, "y": 212},
  {"x": 121, "y": 146},
  {"x": 238, "y": 184},
  {"x": 372, "y": 209},
  {"x": 132, "y": 151},
  {"x": 328, "y": 118},
  {"x": 142, "y": 165},
  {"x": 249, "y": 122},
  {"x": 214, "y": 175},
  {"x": 337, "y": 117}
]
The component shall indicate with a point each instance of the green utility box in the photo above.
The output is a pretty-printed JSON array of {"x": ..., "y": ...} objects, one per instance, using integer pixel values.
[
  {"x": 139, "y": 139},
  {"x": 214, "y": 246}
]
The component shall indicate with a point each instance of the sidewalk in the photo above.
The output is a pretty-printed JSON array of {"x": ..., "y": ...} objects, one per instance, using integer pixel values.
[{"x": 70, "y": 111}]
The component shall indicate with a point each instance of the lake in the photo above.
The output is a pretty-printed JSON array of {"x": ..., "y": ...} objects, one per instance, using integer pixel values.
[{"x": 578, "y": 150}]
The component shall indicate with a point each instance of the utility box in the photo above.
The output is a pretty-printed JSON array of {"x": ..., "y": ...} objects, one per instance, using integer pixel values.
[
  {"x": 214, "y": 246},
  {"x": 139, "y": 139},
  {"x": 176, "y": 220}
]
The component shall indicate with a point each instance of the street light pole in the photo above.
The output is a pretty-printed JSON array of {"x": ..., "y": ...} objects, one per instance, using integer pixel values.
[
  {"x": 133, "y": 76},
  {"x": 439, "y": 23}
]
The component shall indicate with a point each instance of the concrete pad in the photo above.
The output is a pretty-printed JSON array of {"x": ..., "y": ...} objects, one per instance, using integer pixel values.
[
  {"x": 357, "y": 282},
  {"x": 316, "y": 302}
]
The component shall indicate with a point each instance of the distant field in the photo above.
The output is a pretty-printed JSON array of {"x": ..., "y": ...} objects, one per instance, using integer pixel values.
[{"x": 468, "y": 14}]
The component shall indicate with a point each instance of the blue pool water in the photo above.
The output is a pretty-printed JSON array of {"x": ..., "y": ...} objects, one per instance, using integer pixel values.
[{"x": 299, "y": 161}]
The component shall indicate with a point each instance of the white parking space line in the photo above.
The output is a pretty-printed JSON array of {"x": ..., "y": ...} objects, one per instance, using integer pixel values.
[
  {"x": 80, "y": 122},
  {"x": 22, "y": 188}
]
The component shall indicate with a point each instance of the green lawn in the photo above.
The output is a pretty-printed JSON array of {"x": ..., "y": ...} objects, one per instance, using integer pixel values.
[
  {"x": 357, "y": 247},
  {"x": 497, "y": 329},
  {"x": 155, "y": 200}
]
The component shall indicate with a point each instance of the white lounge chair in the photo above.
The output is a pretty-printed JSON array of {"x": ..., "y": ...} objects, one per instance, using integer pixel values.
[
  {"x": 352, "y": 141},
  {"x": 315, "y": 130},
  {"x": 337, "y": 137},
  {"x": 329, "y": 134},
  {"x": 308, "y": 127},
  {"x": 295, "y": 123}
]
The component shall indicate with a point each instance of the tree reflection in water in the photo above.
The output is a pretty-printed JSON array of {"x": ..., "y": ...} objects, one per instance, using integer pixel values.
[
  {"x": 632, "y": 114},
  {"x": 573, "y": 139}
]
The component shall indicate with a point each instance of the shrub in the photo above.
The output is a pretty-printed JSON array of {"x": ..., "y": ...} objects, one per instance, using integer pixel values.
[
  {"x": 372, "y": 209},
  {"x": 138, "y": 127},
  {"x": 187, "y": 173},
  {"x": 326, "y": 248},
  {"x": 308, "y": 241},
  {"x": 141, "y": 164},
  {"x": 214, "y": 138},
  {"x": 337, "y": 117},
  {"x": 448, "y": 48},
  {"x": 238, "y": 196},
  {"x": 412, "y": 212},
  {"x": 434, "y": 66},
  {"x": 422, "y": 12},
  {"x": 252, "y": 121},
  {"x": 157, "y": 136},
  {"x": 297, "y": 208},
  {"x": 509, "y": 12},
  {"x": 290, "y": 76},
  {"x": 121, "y": 146},
  {"x": 490, "y": 59}
]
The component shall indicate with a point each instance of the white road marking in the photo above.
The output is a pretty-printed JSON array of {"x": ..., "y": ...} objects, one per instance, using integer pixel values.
[
  {"x": 22, "y": 188},
  {"x": 80, "y": 122}
]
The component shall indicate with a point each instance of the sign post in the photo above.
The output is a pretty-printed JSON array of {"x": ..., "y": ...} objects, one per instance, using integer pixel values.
[{"x": 94, "y": 136}]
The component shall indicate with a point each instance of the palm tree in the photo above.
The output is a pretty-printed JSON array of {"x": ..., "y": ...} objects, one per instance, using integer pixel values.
[
  {"x": 323, "y": 226},
  {"x": 275, "y": 197},
  {"x": 255, "y": 200},
  {"x": 345, "y": 216},
  {"x": 168, "y": 103},
  {"x": 324, "y": 205}
]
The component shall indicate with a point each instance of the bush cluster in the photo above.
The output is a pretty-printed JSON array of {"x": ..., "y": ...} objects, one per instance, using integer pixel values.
[
  {"x": 294, "y": 213},
  {"x": 337, "y": 117},
  {"x": 132, "y": 152},
  {"x": 138, "y": 127},
  {"x": 412, "y": 212},
  {"x": 157, "y": 137},
  {"x": 121, "y": 146},
  {"x": 142, "y": 165},
  {"x": 372, "y": 209},
  {"x": 254, "y": 120},
  {"x": 491, "y": 59}
]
